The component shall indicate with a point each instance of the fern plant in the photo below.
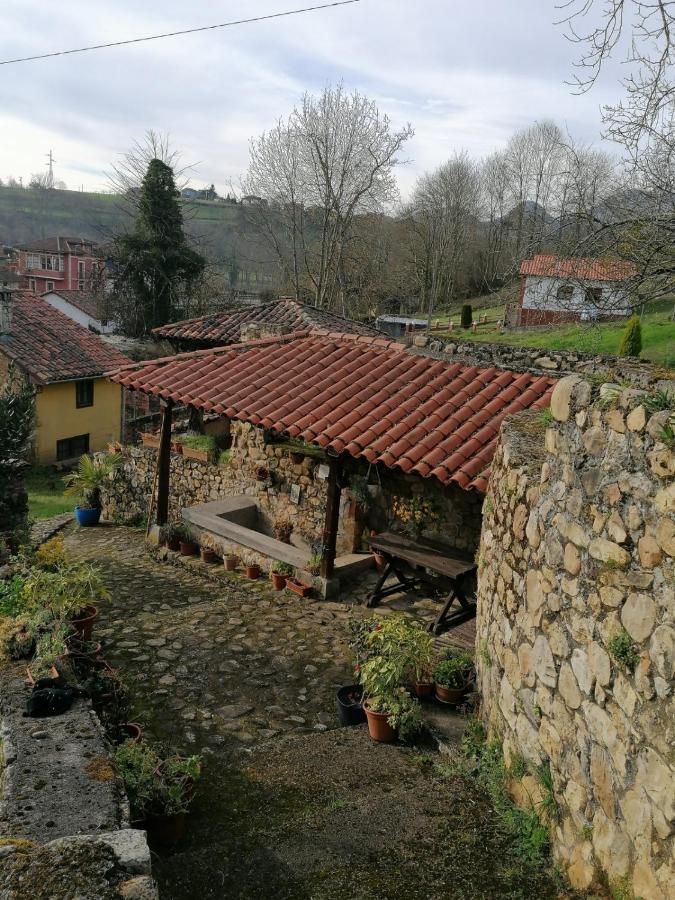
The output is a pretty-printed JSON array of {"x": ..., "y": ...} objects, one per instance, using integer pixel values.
[{"x": 86, "y": 481}]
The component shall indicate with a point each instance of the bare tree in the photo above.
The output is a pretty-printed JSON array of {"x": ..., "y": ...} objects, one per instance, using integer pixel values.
[{"x": 332, "y": 160}]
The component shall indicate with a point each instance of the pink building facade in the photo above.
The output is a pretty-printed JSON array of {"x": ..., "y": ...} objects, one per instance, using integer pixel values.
[{"x": 59, "y": 263}]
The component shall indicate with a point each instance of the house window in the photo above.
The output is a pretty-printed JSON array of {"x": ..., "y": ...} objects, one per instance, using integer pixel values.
[
  {"x": 72, "y": 448},
  {"x": 31, "y": 284},
  {"x": 593, "y": 296},
  {"x": 84, "y": 393},
  {"x": 80, "y": 285},
  {"x": 50, "y": 285},
  {"x": 565, "y": 293}
]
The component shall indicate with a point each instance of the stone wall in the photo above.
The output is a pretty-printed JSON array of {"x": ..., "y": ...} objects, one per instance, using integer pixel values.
[
  {"x": 477, "y": 353},
  {"x": 576, "y": 550},
  {"x": 195, "y": 482}
]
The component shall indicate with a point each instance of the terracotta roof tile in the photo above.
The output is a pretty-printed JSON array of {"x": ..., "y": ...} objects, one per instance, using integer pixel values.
[
  {"x": 371, "y": 398},
  {"x": 50, "y": 346},
  {"x": 578, "y": 267}
]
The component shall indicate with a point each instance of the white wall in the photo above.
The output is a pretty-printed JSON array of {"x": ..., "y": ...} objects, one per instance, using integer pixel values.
[
  {"x": 76, "y": 314},
  {"x": 540, "y": 294}
]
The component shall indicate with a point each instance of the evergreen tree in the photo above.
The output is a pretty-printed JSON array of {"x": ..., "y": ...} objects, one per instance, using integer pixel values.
[
  {"x": 631, "y": 342},
  {"x": 467, "y": 316},
  {"x": 156, "y": 265}
]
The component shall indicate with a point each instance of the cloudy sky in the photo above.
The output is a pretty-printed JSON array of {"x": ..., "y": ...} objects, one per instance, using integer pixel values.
[{"x": 464, "y": 73}]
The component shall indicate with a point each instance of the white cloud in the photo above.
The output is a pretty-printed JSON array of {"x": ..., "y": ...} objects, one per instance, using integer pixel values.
[{"x": 464, "y": 75}]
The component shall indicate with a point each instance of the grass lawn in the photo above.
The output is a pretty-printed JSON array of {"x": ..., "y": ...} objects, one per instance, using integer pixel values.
[
  {"x": 658, "y": 335},
  {"x": 45, "y": 494}
]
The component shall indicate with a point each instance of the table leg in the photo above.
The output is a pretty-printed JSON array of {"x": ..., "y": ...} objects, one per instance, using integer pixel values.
[
  {"x": 376, "y": 595},
  {"x": 435, "y": 627}
]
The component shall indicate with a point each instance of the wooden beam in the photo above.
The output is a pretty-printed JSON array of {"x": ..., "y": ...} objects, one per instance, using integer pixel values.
[
  {"x": 332, "y": 516},
  {"x": 164, "y": 463}
]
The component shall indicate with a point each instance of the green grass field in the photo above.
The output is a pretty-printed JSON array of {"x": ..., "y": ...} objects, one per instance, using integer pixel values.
[
  {"x": 658, "y": 333},
  {"x": 45, "y": 494}
]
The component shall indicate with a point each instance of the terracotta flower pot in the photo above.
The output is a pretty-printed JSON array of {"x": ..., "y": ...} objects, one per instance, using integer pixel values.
[
  {"x": 378, "y": 726},
  {"x": 131, "y": 731},
  {"x": 187, "y": 548},
  {"x": 83, "y": 622},
  {"x": 279, "y": 581},
  {"x": 253, "y": 571},
  {"x": 451, "y": 695},
  {"x": 208, "y": 555},
  {"x": 423, "y": 689},
  {"x": 177, "y": 447},
  {"x": 302, "y": 590},
  {"x": 231, "y": 563}
]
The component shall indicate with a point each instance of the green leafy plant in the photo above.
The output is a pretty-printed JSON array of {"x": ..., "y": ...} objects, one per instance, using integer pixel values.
[
  {"x": 403, "y": 712},
  {"x": 91, "y": 473},
  {"x": 455, "y": 671},
  {"x": 668, "y": 435},
  {"x": 358, "y": 488},
  {"x": 397, "y": 647},
  {"x": 657, "y": 401},
  {"x": 183, "y": 532},
  {"x": 11, "y": 596},
  {"x": 203, "y": 442},
  {"x": 282, "y": 568},
  {"x": 631, "y": 341},
  {"x": 224, "y": 457},
  {"x": 314, "y": 563},
  {"x": 545, "y": 417},
  {"x": 155, "y": 785},
  {"x": 623, "y": 649}
]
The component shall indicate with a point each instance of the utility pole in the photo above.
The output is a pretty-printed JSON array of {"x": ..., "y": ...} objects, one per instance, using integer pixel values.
[{"x": 50, "y": 157}]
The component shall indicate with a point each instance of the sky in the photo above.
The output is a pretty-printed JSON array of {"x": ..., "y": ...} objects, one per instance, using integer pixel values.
[{"x": 464, "y": 73}]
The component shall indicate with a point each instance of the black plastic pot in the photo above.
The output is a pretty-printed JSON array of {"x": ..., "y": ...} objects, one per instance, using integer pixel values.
[{"x": 349, "y": 708}]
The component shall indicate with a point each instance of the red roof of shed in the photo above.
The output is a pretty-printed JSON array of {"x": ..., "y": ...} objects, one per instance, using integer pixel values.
[
  {"x": 585, "y": 268},
  {"x": 369, "y": 397}
]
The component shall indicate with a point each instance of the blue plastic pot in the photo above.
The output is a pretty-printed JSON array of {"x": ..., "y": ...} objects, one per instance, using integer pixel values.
[{"x": 87, "y": 516}]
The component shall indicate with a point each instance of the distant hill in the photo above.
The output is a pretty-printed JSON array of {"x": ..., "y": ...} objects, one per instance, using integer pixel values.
[{"x": 221, "y": 230}]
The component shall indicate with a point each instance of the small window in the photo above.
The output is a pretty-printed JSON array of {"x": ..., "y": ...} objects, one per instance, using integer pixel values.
[
  {"x": 31, "y": 284},
  {"x": 565, "y": 293},
  {"x": 593, "y": 296},
  {"x": 72, "y": 448},
  {"x": 50, "y": 285},
  {"x": 84, "y": 393}
]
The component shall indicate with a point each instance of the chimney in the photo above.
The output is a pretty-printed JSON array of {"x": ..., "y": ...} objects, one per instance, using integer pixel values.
[{"x": 8, "y": 283}]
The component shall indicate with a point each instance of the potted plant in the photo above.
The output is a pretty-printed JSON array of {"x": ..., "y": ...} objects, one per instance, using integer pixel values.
[
  {"x": 453, "y": 676},
  {"x": 86, "y": 482},
  {"x": 231, "y": 561},
  {"x": 379, "y": 558},
  {"x": 302, "y": 590},
  {"x": 186, "y": 543},
  {"x": 261, "y": 473},
  {"x": 314, "y": 564},
  {"x": 160, "y": 790},
  {"x": 279, "y": 573},
  {"x": 169, "y": 535},
  {"x": 283, "y": 528},
  {"x": 201, "y": 447},
  {"x": 148, "y": 439},
  {"x": 208, "y": 549},
  {"x": 252, "y": 568},
  {"x": 350, "y": 705}
]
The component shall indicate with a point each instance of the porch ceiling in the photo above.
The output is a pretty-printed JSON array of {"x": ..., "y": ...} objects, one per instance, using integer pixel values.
[{"x": 369, "y": 397}]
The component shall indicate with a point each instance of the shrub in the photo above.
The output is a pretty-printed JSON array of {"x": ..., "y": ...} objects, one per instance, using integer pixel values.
[
  {"x": 86, "y": 481},
  {"x": 467, "y": 316},
  {"x": 623, "y": 649},
  {"x": 631, "y": 342},
  {"x": 282, "y": 568}
]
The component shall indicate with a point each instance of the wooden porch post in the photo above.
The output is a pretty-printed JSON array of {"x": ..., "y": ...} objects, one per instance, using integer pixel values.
[
  {"x": 164, "y": 463},
  {"x": 332, "y": 516}
]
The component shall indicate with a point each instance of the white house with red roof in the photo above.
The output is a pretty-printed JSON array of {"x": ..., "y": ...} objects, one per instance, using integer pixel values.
[
  {"x": 88, "y": 308},
  {"x": 555, "y": 290}
]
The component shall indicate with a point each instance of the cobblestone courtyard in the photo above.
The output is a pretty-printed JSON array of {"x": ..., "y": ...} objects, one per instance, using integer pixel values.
[{"x": 290, "y": 806}]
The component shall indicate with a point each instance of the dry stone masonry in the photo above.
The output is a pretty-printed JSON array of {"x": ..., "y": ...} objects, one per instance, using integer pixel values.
[{"x": 576, "y": 644}]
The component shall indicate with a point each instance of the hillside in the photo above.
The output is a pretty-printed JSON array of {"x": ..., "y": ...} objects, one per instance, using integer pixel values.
[{"x": 222, "y": 231}]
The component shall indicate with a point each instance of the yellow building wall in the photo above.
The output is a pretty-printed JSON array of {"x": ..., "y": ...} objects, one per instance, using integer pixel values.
[{"x": 57, "y": 417}]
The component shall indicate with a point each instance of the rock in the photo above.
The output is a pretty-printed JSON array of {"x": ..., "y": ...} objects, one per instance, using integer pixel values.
[
  {"x": 615, "y": 420},
  {"x": 611, "y": 846},
  {"x": 657, "y": 780},
  {"x": 636, "y": 419},
  {"x": 534, "y": 592},
  {"x": 566, "y": 391},
  {"x": 649, "y": 552},
  {"x": 616, "y": 529},
  {"x": 542, "y": 660},
  {"x": 567, "y": 685},
  {"x": 581, "y": 669},
  {"x": 595, "y": 441},
  {"x": 638, "y": 615},
  {"x": 662, "y": 651},
  {"x": 39, "y": 735},
  {"x": 572, "y": 559},
  {"x": 532, "y": 530},
  {"x": 581, "y": 871},
  {"x": 645, "y": 885},
  {"x": 139, "y": 888},
  {"x": 608, "y": 552},
  {"x": 599, "y": 663},
  {"x": 624, "y": 695},
  {"x": 664, "y": 501},
  {"x": 665, "y": 536}
]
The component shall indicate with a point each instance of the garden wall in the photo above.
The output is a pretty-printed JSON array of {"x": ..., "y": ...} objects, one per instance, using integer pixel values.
[
  {"x": 192, "y": 482},
  {"x": 479, "y": 353},
  {"x": 576, "y": 551}
]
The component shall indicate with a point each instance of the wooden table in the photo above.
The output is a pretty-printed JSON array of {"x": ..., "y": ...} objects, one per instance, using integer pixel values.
[{"x": 426, "y": 562}]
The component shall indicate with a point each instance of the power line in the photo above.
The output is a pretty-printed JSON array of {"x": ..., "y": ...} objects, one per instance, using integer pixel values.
[{"x": 157, "y": 37}]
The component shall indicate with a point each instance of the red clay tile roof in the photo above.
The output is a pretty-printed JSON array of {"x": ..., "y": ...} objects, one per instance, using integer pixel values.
[
  {"x": 369, "y": 397},
  {"x": 578, "y": 267},
  {"x": 225, "y": 327},
  {"x": 49, "y": 346}
]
